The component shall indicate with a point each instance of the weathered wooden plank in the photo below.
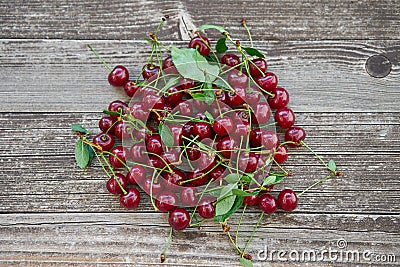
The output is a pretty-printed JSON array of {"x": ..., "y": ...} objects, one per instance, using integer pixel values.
[
  {"x": 278, "y": 20},
  {"x": 115, "y": 238},
  {"x": 321, "y": 76}
]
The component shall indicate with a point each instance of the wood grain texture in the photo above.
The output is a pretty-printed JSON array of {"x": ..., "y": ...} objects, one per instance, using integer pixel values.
[
  {"x": 278, "y": 20},
  {"x": 64, "y": 76},
  {"x": 54, "y": 214}
]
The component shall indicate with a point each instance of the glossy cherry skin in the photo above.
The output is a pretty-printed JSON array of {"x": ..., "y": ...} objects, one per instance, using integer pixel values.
[
  {"x": 118, "y": 106},
  {"x": 217, "y": 172},
  {"x": 119, "y": 155},
  {"x": 156, "y": 188},
  {"x": 201, "y": 43},
  {"x": 253, "y": 96},
  {"x": 287, "y": 200},
  {"x": 231, "y": 60},
  {"x": 284, "y": 117},
  {"x": 269, "y": 139},
  {"x": 106, "y": 141},
  {"x": 281, "y": 154},
  {"x": 173, "y": 95},
  {"x": 236, "y": 98},
  {"x": 154, "y": 144},
  {"x": 179, "y": 219},
  {"x": 130, "y": 88},
  {"x": 138, "y": 153},
  {"x": 241, "y": 130},
  {"x": 248, "y": 163},
  {"x": 166, "y": 201},
  {"x": 171, "y": 156},
  {"x": 171, "y": 180},
  {"x": 206, "y": 209},
  {"x": 150, "y": 70},
  {"x": 223, "y": 126},
  {"x": 156, "y": 162},
  {"x": 189, "y": 197},
  {"x": 136, "y": 175},
  {"x": 257, "y": 67},
  {"x": 112, "y": 184},
  {"x": 238, "y": 79},
  {"x": 131, "y": 199},
  {"x": 198, "y": 178},
  {"x": 226, "y": 147},
  {"x": 267, "y": 82},
  {"x": 295, "y": 134},
  {"x": 280, "y": 99},
  {"x": 267, "y": 203},
  {"x": 202, "y": 129},
  {"x": 118, "y": 76},
  {"x": 107, "y": 124},
  {"x": 122, "y": 130},
  {"x": 262, "y": 113},
  {"x": 251, "y": 200},
  {"x": 168, "y": 66},
  {"x": 139, "y": 111}
]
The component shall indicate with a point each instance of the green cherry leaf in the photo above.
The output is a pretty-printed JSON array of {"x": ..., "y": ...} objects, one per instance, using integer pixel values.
[
  {"x": 82, "y": 155},
  {"x": 111, "y": 113},
  {"x": 269, "y": 180},
  {"x": 210, "y": 26},
  {"x": 253, "y": 52},
  {"x": 91, "y": 152},
  {"x": 79, "y": 128},
  {"x": 221, "y": 83},
  {"x": 166, "y": 135},
  {"x": 232, "y": 178},
  {"x": 332, "y": 165},
  {"x": 210, "y": 97},
  {"x": 241, "y": 193},
  {"x": 221, "y": 46},
  {"x": 199, "y": 96},
  {"x": 224, "y": 206},
  {"x": 209, "y": 116},
  {"x": 236, "y": 205},
  {"x": 226, "y": 190},
  {"x": 192, "y": 65},
  {"x": 246, "y": 262}
]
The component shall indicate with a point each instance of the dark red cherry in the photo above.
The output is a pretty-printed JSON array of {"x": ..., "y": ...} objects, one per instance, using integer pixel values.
[
  {"x": 262, "y": 113},
  {"x": 253, "y": 96},
  {"x": 156, "y": 162},
  {"x": 284, "y": 117},
  {"x": 201, "y": 43},
  {"x": 149, "y": 70},
  {"x": 226, "y": 147},
  {"x": 154, "y": 144},
  {"x": 171, "y": 156},
  {"x": 230, "y": 60},
  {"x": 122, "y": 130},
  {"x": 202, "y": 129},
  {"x": 198, "y": 178},
  {"x": 179, "y": 219},
  {"x": 131, "y": 199},
  {"x": 185, "y": 108},
  {"x": 166, "y": 201},
  {"x": 156, "y": 188},
  {"x": 295, "y": 134},
  {"x": 269, "y": 139},
  {"x": 107, "y": 124},
  {"x": 168, "y": 66},
  {"x": 236, "y": 98},
  {"x": 251, "y": 200},
  {"x": 223, "y": 126},
  {"x": 193, "y": 152},
  {"x": 117, "y": 106},
  {"x": 257, "y": 67},
  {"x": 206, "y": 209},
  {"x": 267, "y": 203},
  {"x": 187, "y": 129},
  {"x": 281, "y": 154},
  {"x": 139, "y": 111},
  {"x": 153, "y": 101},
  {"x": 217, "y": 172},
  {"x": 113, "y": 186},
  {"x": 241, "y": 130},
  {"x": 248, "y": 163},
  {"x": 238, "y": 79},
  {"x": 206, "y": 161},
  {"x": 138, "y": 153},
  {"x": 267, "y": 82},
  {"x": 131, "y": 88},
  {"x": 136, "y": 175},
  {"x": 171, "y": 180},
  {"x": 143, "y": 133},
  {"x": 186, "y": 83},
  {"x": 173, "y": 95},
  {"x": 287, "y": 200},
  {"x": 118, "y": 76},
  {"x": 118, "y": 156},
  {"x": 189, "y": 196},
  {"x": 106, "y": 141},
  {"x": 280, "y": 99}
]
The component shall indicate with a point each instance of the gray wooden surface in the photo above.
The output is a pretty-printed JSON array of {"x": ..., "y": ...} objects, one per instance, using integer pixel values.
[{"x": 54, "y": 214}]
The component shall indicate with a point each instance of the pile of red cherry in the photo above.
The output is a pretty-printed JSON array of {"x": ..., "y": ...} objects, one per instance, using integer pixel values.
[{"x": 198, "y": 135}]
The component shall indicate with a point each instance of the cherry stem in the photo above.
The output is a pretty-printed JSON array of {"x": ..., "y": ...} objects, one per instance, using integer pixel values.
[
  {"x": 113, "y": 173},
  {"x": 316, "y": 183},
  {"x": 280, "y": 167},
  {"x": 240, "y": 221},
  {"x": 99, "y": 57},
  {"x": 248, "y": 31},
  {"x": 238, "y": 250},
  {"x": 315, "y": 154},
  {"x": 254, "y": 231},
  {"x": 198, "y": 202},
  {"x": 167, "y": 245}
]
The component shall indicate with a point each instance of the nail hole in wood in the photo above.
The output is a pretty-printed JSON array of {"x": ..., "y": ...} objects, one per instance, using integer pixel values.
[{"x": 378, "y": 66}]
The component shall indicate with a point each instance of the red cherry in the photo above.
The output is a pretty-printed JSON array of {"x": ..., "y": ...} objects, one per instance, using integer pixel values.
[
  {"x": 154, "y": 144},
  {"x": 284, "y": 117},
  {"x": 230, "y": 60},
  {"x": 156, "y": 188},
  {"x": 107, "y": 124},
  {"x": 268, "y": 203},
  {"x": 223, "y": 126},
  {"x": 248, "y": 163},
  {"x": 112, "y": 184},
  {"x": 281, "y": 154},
  {"x": 106, "y": 141},
  {"x": 257, "y": 67},
  {"x": 150, "y": 70},
  {"x": 166, "y": 201},
  {"x": 267, "y": 82},
  {"x": 295, "y": 134},
  {"x": 202, "y": 129},
  {"x": 131, "y": 199},
  {"x": 136, "y": 175},
  {"x": 206, "y": 209},
  {"x": 171, "y": 180},
  {"x": 131, "y": 88},
  {"x": 280, "y": 99},
  {"x": 118, "y": 76},
  {"x": 168, "y": 66},
  {"x": 118, "y": 156},
  {"x": 189, "y": 196},
  {"x": 262, "y": 113},
  {"x": 287, "y": 200},
  {"x": 179, "y": 219},
  {"x": 238, "y": 79},
  {"x": 118, "y": 106},
  {"x": 201, "y": 43},
  {"x": 226, "y": 147},
  {"x": 251, "y": 200}
]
